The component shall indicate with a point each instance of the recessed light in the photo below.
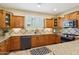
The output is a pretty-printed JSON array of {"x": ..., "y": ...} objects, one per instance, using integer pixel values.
[
  {"x": 39, "y": 5},
  {"x": 55, "y": 9}
]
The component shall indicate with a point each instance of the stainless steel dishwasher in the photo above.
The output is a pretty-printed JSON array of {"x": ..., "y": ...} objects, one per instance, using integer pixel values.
[{"x": 25, "y": 42}]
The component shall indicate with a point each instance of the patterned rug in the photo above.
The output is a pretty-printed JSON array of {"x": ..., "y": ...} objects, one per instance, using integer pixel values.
[{"x": 40, "y": 51}]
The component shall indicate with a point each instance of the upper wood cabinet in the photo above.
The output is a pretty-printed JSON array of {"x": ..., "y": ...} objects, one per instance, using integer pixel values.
[
  {"x": 5, "y": 18},
  {"x": 59, "y": 22},
  {"x": 72, "y": 15},
  {"x": 77, "y": 17},
  {"x": 17, "y": 22},
  {"x": 67, "y": 16},
  {"x": 49, "y": 23},
  {"x": 2, "y": 19}
]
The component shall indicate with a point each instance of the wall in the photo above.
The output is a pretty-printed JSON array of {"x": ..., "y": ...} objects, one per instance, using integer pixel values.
[{"x": 25, "y": 13}]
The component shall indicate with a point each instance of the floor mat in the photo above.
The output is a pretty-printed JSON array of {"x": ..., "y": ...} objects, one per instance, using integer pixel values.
[{"x": 40, "y": 51}]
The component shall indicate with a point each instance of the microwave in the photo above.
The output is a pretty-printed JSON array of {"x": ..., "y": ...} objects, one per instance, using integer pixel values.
[{"x": 70, "y": 23}]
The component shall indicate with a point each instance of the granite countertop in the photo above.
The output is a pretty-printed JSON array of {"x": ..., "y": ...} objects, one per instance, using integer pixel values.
[
  {"x": 2, "y": 38},
  {"x": 7, "y": 35}
]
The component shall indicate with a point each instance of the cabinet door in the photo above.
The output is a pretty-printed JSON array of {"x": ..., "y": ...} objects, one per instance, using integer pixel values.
[
  {"x": 46, "y": 40},
  {"x": 11, "y": 44},
  {"x": 14, "y": 43},
  {"x": 35, "y": 41},
  {"x": 49, "y": 23},
  {"x": 42, "y": 40},
  {"x": 3, "y": 47},
  {"x": 51, "y": 39},
  {"x": 73, "y": 15},
  {"x": 67, "y": 16},
  {"x": 57, "y": 39},
  {"x": 12, "y": 23},
  {"x": 17, "y": 22},
  {"x": 77, "y": 20},
  {"x": 59, "y": 22},
  {"x": 2, "y": 19}
]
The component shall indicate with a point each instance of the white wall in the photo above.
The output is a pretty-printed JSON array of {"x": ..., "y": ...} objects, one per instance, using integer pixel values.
[{"x": 25, "y": 13}]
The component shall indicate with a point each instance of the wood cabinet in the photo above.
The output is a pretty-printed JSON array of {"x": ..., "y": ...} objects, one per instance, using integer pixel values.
[
  {"x": 59, "y": 22},
  {"x": 11, "y": 44},
  {"x": 41, "y": 40},
  {"x": 2, "y": 19},
  {"x": 5, "y": 18},
  {"x": 17, "y": 22},
  {"x": 35, "y": 41},
  {"x": 14, "y": 43},
  {"x": 49, "y": 23},
  {"x": 4, "y": 47},
  {"x": 57, "y": 38},
  {"x": 67, "y": 16},
  {"x": 77, "y": 21},
  {"x": 72, "y": 15}
]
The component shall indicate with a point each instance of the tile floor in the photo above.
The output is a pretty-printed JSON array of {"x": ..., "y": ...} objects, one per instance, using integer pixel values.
[{"x": 67, "y": 48}]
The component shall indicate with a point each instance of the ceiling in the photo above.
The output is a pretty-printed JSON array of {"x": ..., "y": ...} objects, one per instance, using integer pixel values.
[{"x": 50, "y": 8}]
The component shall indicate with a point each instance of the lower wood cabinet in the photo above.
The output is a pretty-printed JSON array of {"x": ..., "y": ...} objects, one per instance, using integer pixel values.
[
  {"x": 14, "y": 43},
  {"x": 27, "y": 42},
  {"x": 40, "y": 40},
  {"x": 35, "y": 41},
  {"x": 57, "y": 38},
  {"x": 4, "y": 47}
]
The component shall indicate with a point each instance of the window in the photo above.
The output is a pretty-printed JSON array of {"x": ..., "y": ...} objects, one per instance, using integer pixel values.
[{"x": 34, "y": 22}]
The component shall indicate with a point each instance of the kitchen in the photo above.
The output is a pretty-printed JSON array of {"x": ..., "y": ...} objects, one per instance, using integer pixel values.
[{"x": 21, "y": 30}]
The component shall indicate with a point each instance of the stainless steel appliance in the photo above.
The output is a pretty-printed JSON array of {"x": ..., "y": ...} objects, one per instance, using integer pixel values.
[
  {"x": 70, "y": 23},
  {"x": 25, "y": 42}
]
